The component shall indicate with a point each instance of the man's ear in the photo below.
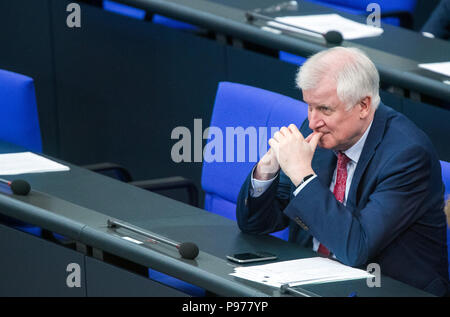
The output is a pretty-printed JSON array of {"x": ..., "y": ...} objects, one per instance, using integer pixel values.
[{"x": 365, "y": 106}]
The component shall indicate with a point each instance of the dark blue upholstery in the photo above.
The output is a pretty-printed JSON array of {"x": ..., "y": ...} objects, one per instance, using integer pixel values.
[{"x": 243, "y": 106}]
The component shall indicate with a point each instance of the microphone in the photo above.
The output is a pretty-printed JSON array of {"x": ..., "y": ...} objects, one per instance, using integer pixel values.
[
  {"x": 187, "y": 250},
  {"x": 18, "y": 186},
  {"x": 331, "y": 37}
]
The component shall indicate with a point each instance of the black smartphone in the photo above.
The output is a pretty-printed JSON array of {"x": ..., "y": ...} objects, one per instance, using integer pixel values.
[{"x": 249, "y": 257}]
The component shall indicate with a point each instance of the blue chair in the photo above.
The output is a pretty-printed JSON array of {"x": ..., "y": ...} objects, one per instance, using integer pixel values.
[
  {"x": 19, "y": 122},
  {"x": 243, "y": 106},
  {"x": 399, "y": 13}
]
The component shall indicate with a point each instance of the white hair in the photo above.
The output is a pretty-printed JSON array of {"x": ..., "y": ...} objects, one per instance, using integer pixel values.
[{"x": 354, "y": 73}]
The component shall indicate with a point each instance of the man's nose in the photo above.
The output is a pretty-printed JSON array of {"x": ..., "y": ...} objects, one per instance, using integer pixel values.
[{"x": 315, "y": 120}]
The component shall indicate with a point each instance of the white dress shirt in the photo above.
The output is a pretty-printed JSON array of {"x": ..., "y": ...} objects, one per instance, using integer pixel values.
[{"x": 258, "y": 187}]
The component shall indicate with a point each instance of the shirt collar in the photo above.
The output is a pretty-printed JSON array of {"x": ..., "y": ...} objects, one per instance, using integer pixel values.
[{"x": 354, "y": 152}]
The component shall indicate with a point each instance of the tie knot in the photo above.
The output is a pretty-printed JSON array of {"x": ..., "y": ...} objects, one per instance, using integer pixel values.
[{"x": 343, "y": 159}]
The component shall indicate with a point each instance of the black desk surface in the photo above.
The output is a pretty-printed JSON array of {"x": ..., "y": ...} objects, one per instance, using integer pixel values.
[
  {"x": 395, "y": 40},
  {"x": 78, "y": 202},
  {"x": 396, "y": 52}
]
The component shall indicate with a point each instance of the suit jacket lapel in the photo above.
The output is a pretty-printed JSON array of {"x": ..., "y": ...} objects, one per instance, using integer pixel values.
[{"x": 373, "y": 140}]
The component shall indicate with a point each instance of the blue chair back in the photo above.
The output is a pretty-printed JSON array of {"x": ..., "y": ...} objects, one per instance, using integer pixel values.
[
  {"x": 19, "y": 122},
  {"x": 260, "y": 113}
]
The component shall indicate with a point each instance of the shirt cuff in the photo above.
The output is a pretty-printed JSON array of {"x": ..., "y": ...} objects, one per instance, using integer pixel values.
[
  {"x": 299, "y": 188},
  {"x": 258, "y": 187}
]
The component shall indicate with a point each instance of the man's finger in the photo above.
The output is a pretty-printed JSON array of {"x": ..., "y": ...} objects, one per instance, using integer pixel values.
[
  {"x": 308, "y": 138},
  {"x": 314, "y": 140},
  {"x": 294, "y": 130},
  {"x": 284, "y": 131},
  {"x": 277, "y": 136},
  {"x": 273, "y": 145}
]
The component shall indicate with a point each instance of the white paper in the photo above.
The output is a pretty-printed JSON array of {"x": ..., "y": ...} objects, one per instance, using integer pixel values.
[
  {"x": 300, "y": 272},
  {"x": 441, "y": 68},
  {"x": 323, "y": 23},
  {"x": 27, "y": 162}
]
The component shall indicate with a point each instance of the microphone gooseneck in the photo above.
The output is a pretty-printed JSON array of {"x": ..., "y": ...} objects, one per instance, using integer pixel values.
[
  {"x": 187, "y": 250},
  {"x": 331, "y": 37}
]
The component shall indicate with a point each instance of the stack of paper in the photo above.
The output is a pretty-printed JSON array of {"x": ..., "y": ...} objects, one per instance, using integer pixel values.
[
  {"x": 441, "y": 68},
  {"x": 27, "y": 162},
  {"x": 300, "y": 272},
  {"x": 323, "y": 23}
]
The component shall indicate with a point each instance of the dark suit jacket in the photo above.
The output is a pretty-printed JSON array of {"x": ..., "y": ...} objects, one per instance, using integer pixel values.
[{"x": 394, "y": 211}]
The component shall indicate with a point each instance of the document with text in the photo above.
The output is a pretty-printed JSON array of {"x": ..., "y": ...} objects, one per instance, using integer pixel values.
[{"x": 300, "y": 272}]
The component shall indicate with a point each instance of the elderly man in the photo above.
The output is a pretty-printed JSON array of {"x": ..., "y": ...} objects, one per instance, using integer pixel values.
[{"x": 358, "y": 182}]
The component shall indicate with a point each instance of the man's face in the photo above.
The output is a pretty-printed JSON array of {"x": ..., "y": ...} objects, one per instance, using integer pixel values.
[{"x": 341, "y": 128}]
